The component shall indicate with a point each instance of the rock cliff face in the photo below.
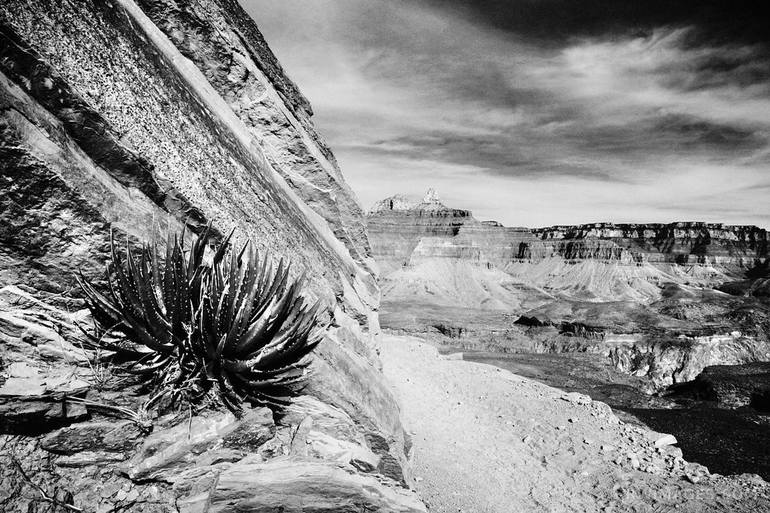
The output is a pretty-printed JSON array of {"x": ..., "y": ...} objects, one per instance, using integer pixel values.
[
  {"x": 683, "y": 359},
  {"x": 137, "y": 116},
  {"x": 678, "y": 243},
  {"x": 397, "y": 225},
  {"x": 732, "y": 386}
]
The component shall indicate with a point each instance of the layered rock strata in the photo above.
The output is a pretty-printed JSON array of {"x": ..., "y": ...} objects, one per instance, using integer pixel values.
[
  {"x": 678, "y": 243},
  {"x": 144, "y": 117},
  {"x": 597, "y": 262}
]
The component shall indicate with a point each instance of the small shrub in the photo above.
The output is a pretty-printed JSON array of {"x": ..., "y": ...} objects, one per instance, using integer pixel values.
[{"x": 234, "y": 330}]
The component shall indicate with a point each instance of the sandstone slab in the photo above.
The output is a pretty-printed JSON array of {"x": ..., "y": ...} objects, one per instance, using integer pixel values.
[{"x": 306, "y": 487}]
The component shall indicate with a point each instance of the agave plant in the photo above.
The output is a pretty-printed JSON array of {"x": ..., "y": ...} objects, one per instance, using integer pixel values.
[{"x": 236, "y": 329}]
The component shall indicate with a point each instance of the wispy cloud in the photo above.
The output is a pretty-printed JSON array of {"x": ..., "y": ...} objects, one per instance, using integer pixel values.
[{"x": 659, "y": 119}]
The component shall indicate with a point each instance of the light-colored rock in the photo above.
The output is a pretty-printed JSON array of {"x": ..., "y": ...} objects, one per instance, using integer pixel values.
[
  {"x": 576, "y": 398},
  {"x": 166, "y": 451},
  {"x": 306, "y": 487},
  {"x": 666, "y": 440}
]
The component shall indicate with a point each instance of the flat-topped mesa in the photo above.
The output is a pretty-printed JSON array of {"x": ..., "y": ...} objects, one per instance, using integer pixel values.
[
  {"x": 404, "y": 204},
  {"x": 398, "y": 220},
  {"x": 398, "y": 223},
  {"x": 678, "y": 243}
]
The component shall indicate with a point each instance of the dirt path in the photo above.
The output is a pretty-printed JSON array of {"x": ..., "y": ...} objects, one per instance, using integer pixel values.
[{"x": 486, "y": 440}]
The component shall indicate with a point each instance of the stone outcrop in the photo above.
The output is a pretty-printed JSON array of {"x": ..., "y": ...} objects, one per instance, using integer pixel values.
[
  {"x": 144, "y": 117},
  {"x": 225, "y": 45},
  {"x": 681, "y": 359},
  {"x": 397, "y": 225},
  {"x": 298, "y": 488}
]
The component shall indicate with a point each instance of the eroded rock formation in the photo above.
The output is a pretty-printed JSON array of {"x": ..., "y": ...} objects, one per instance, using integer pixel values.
[
  {"x": 597, "y": 262},
  {"x": 146, "y": 116}
]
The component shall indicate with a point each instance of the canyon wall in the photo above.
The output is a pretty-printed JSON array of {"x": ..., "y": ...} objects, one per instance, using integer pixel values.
[
  {"x": 134, "y": 117},
  {"x": 649, "y": 298},
  {"x": 597, "y": 262},
  {"x": 680, "y": 243}
]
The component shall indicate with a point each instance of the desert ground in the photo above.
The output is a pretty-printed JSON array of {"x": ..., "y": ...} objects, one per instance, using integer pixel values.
[{"x": 486, "y": 440}]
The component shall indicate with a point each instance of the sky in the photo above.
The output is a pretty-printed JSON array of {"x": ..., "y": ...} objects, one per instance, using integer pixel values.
[{"x": 541, "y": 112}]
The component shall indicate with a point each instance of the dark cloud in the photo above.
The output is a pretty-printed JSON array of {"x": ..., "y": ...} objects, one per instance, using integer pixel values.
[
  {"x": 672, "y": 134},
  {"x": 496, "y": 154},
  {"x": 690, "y": 132},
  {"x": 490, "y": 85},
  {"x": 560, "y": 20},
  {"x": 525, "y": 155}
]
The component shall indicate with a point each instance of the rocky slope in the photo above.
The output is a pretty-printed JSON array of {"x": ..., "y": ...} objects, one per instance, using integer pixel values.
[{"x": 137, "y": 116}]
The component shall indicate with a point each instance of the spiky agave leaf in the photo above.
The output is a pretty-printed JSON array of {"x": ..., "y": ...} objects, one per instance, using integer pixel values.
[
  {"x": 260, "y": 306},
  {"x": 238, "y": 329},
  {"x": 148, "y": 301}
]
